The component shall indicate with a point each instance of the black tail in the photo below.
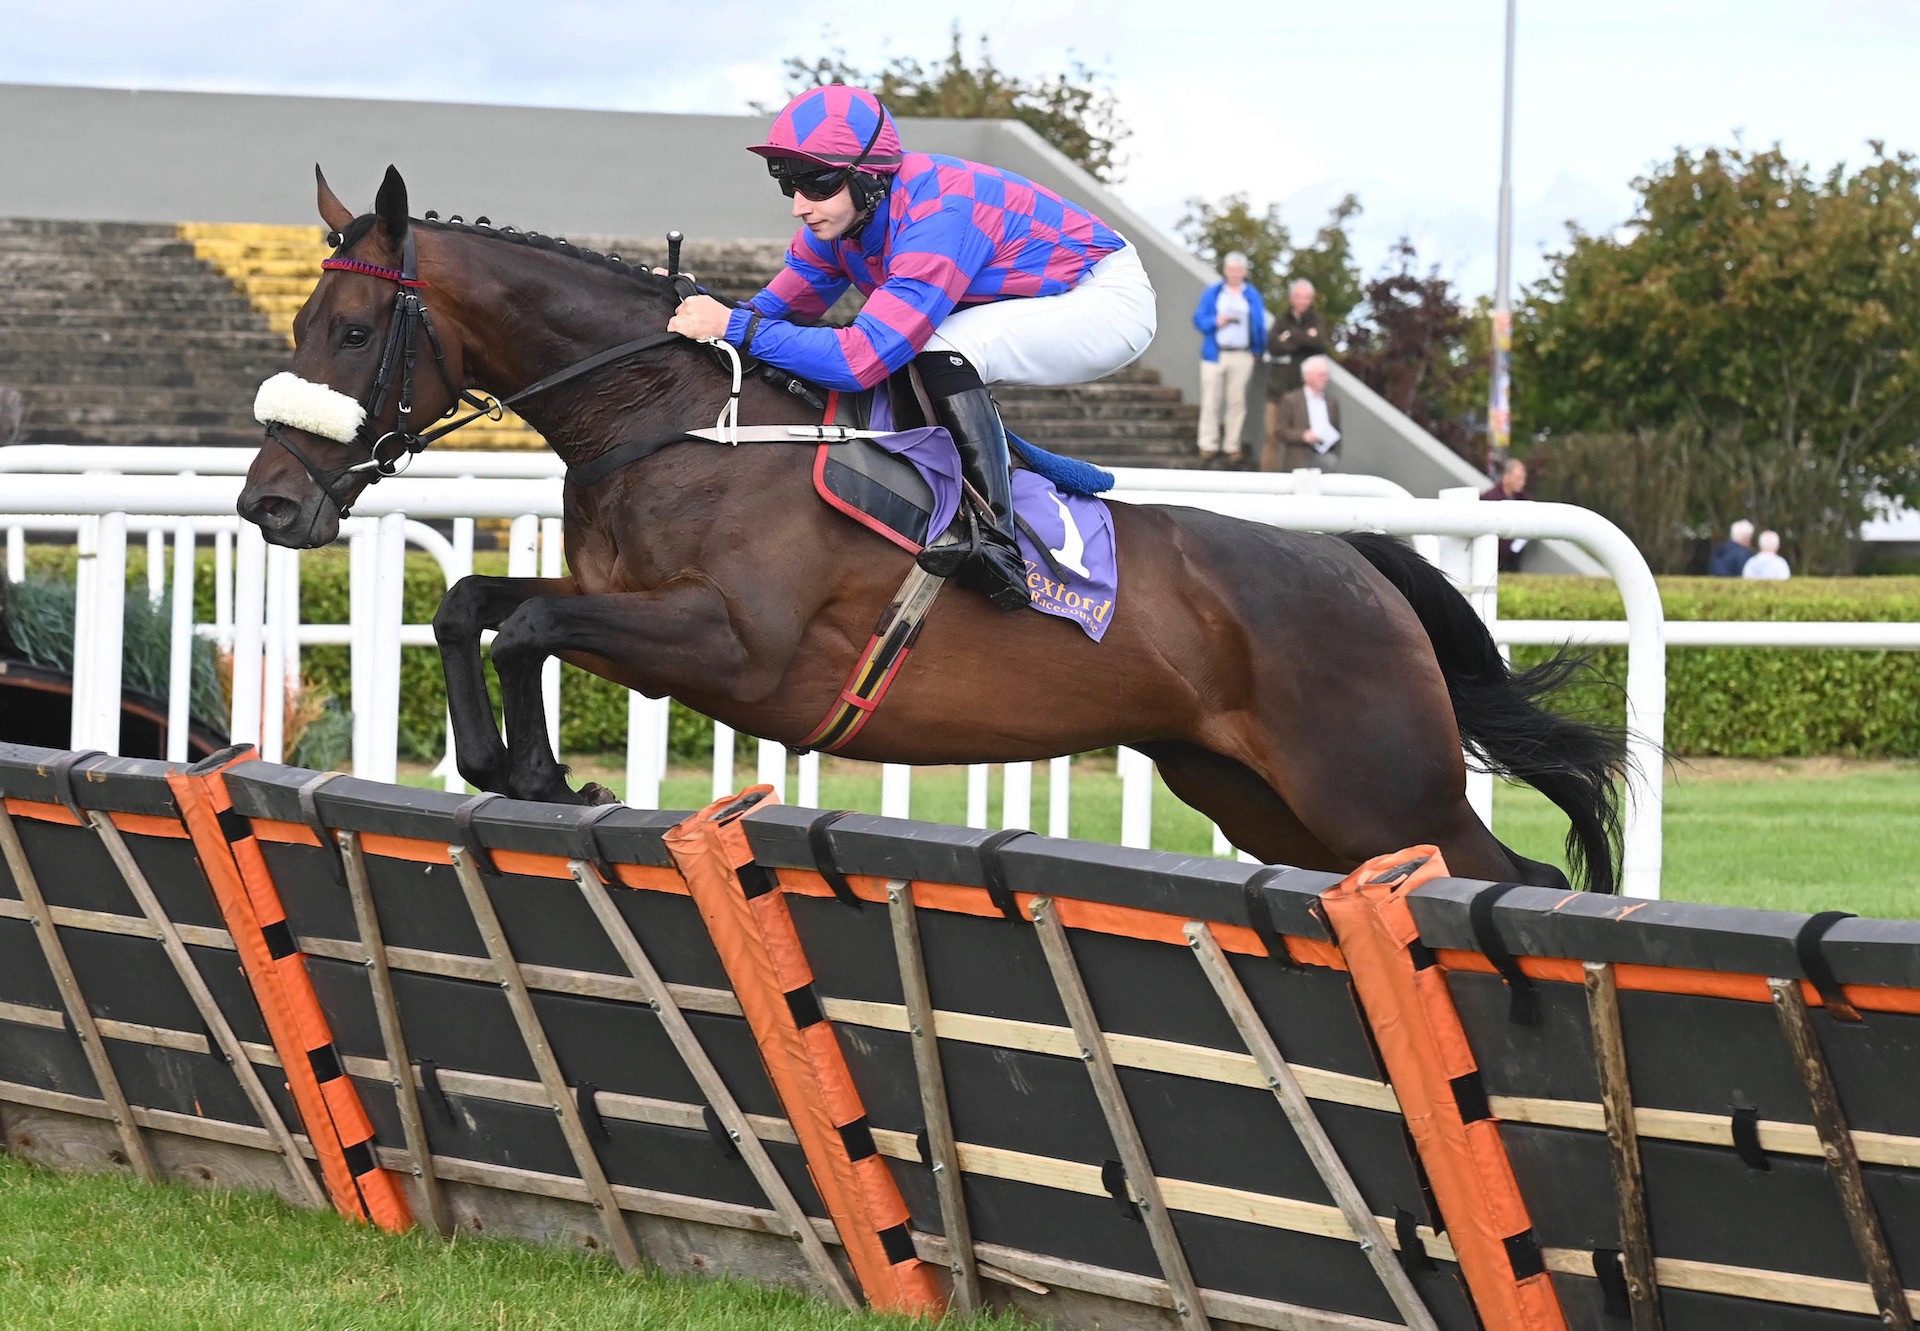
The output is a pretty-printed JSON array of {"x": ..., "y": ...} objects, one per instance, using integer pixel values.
[{"x": 1576, "y": 764}]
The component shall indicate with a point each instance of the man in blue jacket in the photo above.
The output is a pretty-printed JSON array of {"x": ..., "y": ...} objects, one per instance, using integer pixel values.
[
  {"x": 1233, "y": 335},
  {"x": 1729, "y": 559}
]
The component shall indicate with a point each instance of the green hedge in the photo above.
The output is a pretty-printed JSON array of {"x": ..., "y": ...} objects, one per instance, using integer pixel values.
[
  {"x": 1732, "y": 702},
  {"x": 593, "y": 715},
  {"x": 1751, "y": 702}
]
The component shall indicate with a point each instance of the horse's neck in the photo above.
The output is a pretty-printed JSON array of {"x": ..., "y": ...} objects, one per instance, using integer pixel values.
[{"x": 673, "y": 387}]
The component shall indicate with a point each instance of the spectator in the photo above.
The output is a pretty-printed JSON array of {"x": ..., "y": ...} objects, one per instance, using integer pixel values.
[
  {"x": 1730, "y": 557},
  {"x": 13, "y": 414},
  {"x": 1767, "y": 566},
  {"x": 1308, "y": 423},
  {"x": 1496, "y": 462},
  {"x": 1512, "y": 485},
  {"x": 1297, "y": 334},
  {"x": 1233, "y": 330}
]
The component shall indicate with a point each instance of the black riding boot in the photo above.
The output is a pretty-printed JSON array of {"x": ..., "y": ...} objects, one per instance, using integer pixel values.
[{"x": 992, "y": 564}]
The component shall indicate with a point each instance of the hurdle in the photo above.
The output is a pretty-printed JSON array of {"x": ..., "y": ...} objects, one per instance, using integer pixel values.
[{"x": 919, "y": 1067}]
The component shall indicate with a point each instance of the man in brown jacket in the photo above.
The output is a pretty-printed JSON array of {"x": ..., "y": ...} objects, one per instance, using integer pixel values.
[
  {"x": 1298, "y": 333},
  {"x": 1306, "y": 424}
]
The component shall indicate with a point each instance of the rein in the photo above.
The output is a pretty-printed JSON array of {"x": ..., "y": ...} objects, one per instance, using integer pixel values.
[{"x": 409, "y": 323}]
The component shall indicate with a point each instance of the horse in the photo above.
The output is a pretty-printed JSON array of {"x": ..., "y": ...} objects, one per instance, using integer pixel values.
[{"x": 1311, "y": 694}]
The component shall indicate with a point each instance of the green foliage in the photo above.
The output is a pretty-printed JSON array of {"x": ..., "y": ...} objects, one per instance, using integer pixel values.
[
  {"x": 1668, "y": 488},
  {"x": 1650, "y": 483},
  {"x": 1747, "y": 702},
  {"x": 1328, "y": 264},
  {"x": 326, "y": 740},
  {"x": 1411, "y": 346},
  {"x": 37, "y": 615},
  {"x": 1766, "y": 307},
  {"x": 593, "y": 711},
  {"x": 1214, "y": 230},
  {"x": 1073, "y": 111}
]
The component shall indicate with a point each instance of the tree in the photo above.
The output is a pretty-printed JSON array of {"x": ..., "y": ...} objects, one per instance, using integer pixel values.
[
  {"x": 1214, "y": 230},
  {"x": 1413, "y": 346},
  {"x": 1769, "y": 308},
  {"x": 1073, "y": 111},
  {"x": 1328, "y": 264}
]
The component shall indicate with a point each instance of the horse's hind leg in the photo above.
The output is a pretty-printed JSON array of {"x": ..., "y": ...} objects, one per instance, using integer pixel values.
[
  {"x": 1363, "y": 800},
  {"x": 1536, "y": 873},
  {"x": 1246, "y": 809},
  {"x": 1375, "y": 775}
]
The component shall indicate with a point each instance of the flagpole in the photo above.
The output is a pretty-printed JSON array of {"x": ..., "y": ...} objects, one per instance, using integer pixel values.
[{"x": 1499, "y": 387}]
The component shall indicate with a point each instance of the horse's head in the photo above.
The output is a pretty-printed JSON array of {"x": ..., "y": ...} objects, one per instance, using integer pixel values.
[{"x": 370, "y": 370}]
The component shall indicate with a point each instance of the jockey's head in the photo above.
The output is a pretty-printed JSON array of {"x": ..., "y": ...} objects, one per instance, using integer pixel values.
[{"x": 834, "y": 151}]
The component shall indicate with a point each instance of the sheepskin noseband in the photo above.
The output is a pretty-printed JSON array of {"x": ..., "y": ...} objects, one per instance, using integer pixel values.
[{"x": 287, "y": 399}]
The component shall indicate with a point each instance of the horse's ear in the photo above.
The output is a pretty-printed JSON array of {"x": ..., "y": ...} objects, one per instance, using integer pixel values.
[
  {"x": 390, "y": 204},
  {"x": 333, "y": 212}
]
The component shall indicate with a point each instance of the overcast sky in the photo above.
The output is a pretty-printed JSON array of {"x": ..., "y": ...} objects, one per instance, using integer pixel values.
[{"x": 1396, "y": 101}]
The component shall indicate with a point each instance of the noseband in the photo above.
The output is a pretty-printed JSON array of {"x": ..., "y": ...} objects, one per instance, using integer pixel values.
[{"x": 388, "y": 451}]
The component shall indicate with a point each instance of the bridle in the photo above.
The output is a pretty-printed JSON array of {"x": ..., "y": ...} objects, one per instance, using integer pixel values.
[{"x": 411, "y": 324}]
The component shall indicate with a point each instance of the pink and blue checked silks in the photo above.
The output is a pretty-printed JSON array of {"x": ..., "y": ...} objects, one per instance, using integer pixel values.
[{"x": 949, "y": 233}]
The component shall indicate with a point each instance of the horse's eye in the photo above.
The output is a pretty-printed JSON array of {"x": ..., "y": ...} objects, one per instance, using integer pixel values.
[{"x": 353, "y": 336}]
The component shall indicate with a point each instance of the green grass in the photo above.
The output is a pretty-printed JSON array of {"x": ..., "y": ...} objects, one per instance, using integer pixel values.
[
  {"x": 1801, "y": 837},
  {"x": 107, "y": 1253}
]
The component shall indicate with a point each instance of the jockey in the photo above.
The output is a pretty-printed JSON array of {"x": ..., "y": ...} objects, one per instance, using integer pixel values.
[{"x": 976, "y": 274}]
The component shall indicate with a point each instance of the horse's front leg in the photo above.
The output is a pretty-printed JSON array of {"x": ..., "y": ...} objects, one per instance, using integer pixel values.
[
  {"x": 683, "y": 638},
  {"x": 473, "y": 605}
]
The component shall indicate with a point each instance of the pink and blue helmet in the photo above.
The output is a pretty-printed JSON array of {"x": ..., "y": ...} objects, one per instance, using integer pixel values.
[{"x": 829, "y": 126}]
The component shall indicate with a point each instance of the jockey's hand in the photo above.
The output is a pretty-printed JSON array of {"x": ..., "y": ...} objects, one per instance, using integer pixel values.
[{"x": 700, "y": 318}]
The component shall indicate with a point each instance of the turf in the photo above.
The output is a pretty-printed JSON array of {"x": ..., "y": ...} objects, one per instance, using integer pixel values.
[
  {"x": 107, "y": 1253},
  {"x": 1801, "y": 837}
]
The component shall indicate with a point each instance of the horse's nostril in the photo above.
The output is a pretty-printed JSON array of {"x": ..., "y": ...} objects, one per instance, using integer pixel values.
[{"x": 268, "y": 510}]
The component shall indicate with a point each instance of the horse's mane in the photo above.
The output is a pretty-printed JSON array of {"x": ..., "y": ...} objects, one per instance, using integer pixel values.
[
  {"x": 483, "y": 227},
  {"x": 809, "y": 393}
]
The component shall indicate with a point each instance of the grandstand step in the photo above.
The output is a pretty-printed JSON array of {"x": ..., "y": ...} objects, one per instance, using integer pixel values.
[
  {"x": 183, "y": 303},
  {"x": 142, "y": 369},
  {"x": 81, "y": 318}
]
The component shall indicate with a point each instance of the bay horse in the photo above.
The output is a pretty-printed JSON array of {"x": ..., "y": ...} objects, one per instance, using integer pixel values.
[{"x": 1308, "y": 693}]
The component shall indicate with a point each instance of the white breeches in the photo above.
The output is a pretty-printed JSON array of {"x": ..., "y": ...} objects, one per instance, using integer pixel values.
[{"x": 1100, "y": 326}]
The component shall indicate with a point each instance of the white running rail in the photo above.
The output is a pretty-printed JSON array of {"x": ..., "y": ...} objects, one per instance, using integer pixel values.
[{"x": 140, "y": 492}]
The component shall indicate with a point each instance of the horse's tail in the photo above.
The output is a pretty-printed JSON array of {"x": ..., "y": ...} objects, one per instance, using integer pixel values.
[{"x": 1576, "y": 764}]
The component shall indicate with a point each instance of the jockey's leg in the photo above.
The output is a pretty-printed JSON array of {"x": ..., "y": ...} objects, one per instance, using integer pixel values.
[
  {"x": 1099, "y": 326},
  {"x": 963, "y": 405}
]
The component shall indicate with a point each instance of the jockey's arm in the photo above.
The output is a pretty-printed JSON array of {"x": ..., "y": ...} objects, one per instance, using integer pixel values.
[
  {"x": 934, "y": 259},
  {"x": 806, "y": 286}
]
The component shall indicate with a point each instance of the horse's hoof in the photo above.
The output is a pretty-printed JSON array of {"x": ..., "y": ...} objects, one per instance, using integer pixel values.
[{"x": 595, "y": 793}]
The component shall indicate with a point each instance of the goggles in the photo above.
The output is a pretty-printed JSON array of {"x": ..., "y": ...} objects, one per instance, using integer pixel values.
[{"x": 814, "y": 182}]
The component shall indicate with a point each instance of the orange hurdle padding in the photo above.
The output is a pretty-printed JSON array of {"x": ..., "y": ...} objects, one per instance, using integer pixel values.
[
  {"x": 329, "y": 1105},
  {"x": 1404, "y": 995},
  {"x": 747, "y": 917}
]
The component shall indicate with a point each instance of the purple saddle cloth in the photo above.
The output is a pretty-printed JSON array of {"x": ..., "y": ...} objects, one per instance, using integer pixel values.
[{"x": 1073, "y": 569}]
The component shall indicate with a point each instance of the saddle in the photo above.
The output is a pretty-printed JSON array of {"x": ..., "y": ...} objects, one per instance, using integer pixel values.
[{"x": 894, "y": 489}]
